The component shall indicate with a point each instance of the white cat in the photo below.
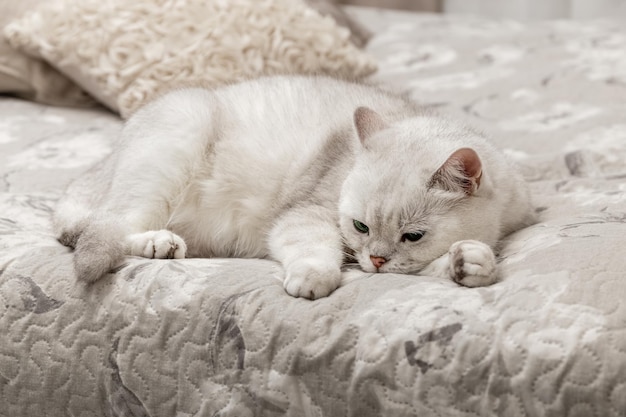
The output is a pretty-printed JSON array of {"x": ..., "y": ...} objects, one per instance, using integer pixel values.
[{"x": 303, "y": 170}]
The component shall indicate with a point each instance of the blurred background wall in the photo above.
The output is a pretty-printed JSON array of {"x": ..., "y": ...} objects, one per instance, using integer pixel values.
[{"x": 517, "y": 9}]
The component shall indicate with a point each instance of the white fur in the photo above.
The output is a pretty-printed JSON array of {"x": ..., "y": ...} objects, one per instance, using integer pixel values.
[{"x": 281, "y": 167}]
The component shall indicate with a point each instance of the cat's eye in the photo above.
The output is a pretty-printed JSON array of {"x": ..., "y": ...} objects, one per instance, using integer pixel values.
[
  {"x": 412, "y": 237},
  {"x": 360, "y": 226}
]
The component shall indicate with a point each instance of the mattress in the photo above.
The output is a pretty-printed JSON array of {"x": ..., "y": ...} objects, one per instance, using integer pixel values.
[{"x": 220, "y": 337}]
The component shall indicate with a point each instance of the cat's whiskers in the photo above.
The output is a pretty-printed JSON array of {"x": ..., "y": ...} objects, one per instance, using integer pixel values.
[{"x": 348, "y": 253}]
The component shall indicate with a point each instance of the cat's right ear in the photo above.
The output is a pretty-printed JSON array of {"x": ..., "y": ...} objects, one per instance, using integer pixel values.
[
  {"x": 367, "y": 123},
  {"x": 461, "y": 172}
]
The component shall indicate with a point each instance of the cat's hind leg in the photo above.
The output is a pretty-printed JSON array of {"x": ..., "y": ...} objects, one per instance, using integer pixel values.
[
  {"x": 104, "y": 242},
  {"x": 157, "y": 244},
  {"x": 159, "y": 153}
]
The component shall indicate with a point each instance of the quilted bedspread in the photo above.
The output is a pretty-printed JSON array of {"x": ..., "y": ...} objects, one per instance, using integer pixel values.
[{"x": 220, "y": 337}]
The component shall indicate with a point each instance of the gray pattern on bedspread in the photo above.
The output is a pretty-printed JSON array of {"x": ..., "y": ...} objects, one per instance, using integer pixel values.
[{"x": 220, "y": 337}]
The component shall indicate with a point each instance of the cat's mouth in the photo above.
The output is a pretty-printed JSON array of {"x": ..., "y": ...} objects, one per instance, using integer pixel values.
[
  {"x": 370, "y": 268},
  {"x": 351, "y": 258},
  {"x": 388, "y": 267},
  {"x": 373, "y": 264},
  {"x": 376, "y": 265}
]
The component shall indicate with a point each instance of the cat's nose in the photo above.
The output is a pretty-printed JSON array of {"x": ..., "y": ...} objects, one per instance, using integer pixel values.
[{"x": 378, "y": 261}]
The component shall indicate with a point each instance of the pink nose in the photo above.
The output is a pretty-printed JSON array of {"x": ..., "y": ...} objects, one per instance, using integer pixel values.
[{"x": 378, "y": 261}]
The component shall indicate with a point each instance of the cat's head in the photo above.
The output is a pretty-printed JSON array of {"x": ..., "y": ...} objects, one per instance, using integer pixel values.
[{"x": 404, "y": 202}]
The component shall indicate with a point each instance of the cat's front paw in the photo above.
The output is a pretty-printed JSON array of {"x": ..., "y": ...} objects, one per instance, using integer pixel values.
[
  {"x": 157, "y": 244},
  {"x": 472, "y": 263},
  {"x": 309, "y": 278}
]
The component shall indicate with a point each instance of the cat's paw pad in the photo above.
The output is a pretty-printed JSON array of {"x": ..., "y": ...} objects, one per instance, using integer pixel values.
[
  {"x": 311, "y": 279},
  {"x": 472, "y": 263},
  {"x": 157, "y": 244}
]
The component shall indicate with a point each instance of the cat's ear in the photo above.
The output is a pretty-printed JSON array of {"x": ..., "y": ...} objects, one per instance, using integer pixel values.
[
  {"x": 462, "y": 171},
  {"x": 367, "y": 123}
]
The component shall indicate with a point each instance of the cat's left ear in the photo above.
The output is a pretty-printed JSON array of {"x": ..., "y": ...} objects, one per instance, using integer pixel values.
[
  {"x": 462, "y": 171},
  {"x": 367, "y": 123}
]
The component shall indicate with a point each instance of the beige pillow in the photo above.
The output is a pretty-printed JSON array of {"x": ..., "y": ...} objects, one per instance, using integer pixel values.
[
  {"x": 124, "y": 53},
  {"x": 30, "y": 77},
  {"x": 359, "y": 35}
]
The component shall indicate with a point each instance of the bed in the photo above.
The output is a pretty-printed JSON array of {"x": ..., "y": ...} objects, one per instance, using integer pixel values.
[{"x": 220, "y": 337}]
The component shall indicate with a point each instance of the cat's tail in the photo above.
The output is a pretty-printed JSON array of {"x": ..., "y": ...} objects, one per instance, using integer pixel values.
[
  {"x": 100, "y": 248},
  {"x": 98, "y": 242}
]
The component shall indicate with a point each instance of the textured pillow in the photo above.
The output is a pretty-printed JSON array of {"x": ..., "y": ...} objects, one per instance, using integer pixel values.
[
  {"x": 124, "y": 53},
  {"x": 29, "y": 77},
  {"x": 359, "y": 35}
]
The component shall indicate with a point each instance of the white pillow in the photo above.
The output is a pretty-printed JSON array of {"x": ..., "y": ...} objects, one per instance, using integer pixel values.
[
  {"x": 29, "y": 77},
  {"x": 126, "y": 52}
]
